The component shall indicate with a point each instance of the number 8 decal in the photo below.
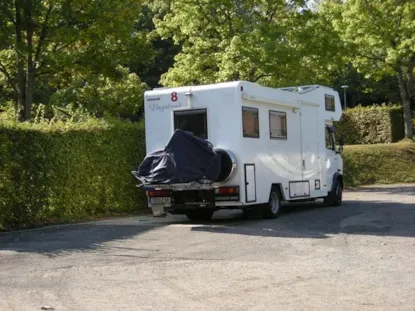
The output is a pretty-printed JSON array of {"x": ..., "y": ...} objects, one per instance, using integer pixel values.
[{"x": 174, "y": 96}]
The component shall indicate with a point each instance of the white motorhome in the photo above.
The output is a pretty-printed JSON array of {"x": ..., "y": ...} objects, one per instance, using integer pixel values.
[{"x": 277, "y": 144}]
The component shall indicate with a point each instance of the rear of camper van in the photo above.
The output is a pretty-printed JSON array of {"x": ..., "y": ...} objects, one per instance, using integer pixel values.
[{"x": 208, "y": 113}]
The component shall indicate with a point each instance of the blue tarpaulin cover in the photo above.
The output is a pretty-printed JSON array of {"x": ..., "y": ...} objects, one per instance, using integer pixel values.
[{"x": 185, "y": 159}]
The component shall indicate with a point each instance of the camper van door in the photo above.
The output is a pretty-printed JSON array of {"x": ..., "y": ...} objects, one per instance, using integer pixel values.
[{"x": 310, "y": 144}]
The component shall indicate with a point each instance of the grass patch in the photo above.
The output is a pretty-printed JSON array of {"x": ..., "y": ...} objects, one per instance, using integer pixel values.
[{"x": 379, "y": 164}]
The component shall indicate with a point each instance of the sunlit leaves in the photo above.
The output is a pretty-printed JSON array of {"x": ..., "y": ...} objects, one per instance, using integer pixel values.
[
  {"x": 263, "y": 41},
  {"x": 72, "y": 39},
  {"x": 379, "y": 34},
  {"x": 118, "y": 95},
  {"x": 379, "y": 38}
]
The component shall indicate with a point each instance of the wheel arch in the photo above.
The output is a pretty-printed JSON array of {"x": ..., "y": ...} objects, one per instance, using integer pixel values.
[
  {"x": 277, "y": 187},
  {"x": 337, "y": 177}
]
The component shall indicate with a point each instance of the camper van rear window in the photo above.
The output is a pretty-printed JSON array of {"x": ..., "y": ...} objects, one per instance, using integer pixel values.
[
  {"x": 277, "y": 125},
  {"x": 330, "y": 106},
  {"x": 193, "y": 120},
  {"x": 250, "y": 121}
]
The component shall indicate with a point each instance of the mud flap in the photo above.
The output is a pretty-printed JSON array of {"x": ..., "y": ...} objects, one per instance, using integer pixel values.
[{"x": 158, "y": 211}]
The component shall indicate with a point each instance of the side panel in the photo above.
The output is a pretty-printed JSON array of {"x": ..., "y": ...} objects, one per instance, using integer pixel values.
[
  {"x": 277, "y": 158},
  {"x": 299, "y": 189},
  {"x": 250, "y": 183},
  {"x": 311, "y": 148}
]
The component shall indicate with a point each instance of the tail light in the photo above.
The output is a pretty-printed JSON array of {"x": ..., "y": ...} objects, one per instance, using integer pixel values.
[
  {"x": 158, "y": 193},
  {"x": 227, "y": 190},
  {"x": 225, "y": 194}
]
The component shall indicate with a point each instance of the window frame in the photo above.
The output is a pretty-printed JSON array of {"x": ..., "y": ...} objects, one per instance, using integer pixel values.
[
  {"x": 286, "y": 124},
  {"x": 250, "y": 109},
  {"x": 182, "y": 112},
  {"x": 331, "y": 97},
  {"x": 332, "y": 140}
]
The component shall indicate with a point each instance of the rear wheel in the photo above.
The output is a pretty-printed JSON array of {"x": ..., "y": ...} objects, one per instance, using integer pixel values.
[
  {"x": 200, "y": 215},
  {"x": 335, "y": 197},
  {"x": 272, "y": 208}
]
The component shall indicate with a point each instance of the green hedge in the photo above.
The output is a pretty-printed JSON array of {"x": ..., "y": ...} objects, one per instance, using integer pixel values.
[
  {"x": 379, "y": 164},
  {"x": 63, "y": 172},
  {"x": 372, "y": 125}
]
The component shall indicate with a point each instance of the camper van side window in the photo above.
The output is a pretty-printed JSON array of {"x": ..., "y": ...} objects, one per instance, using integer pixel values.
[
  {"x": 250, "y": 122},
  {"x": 277, "y": 125},
  {"x": 330, "y": 104},
  {"x": 329, "y": 139}
]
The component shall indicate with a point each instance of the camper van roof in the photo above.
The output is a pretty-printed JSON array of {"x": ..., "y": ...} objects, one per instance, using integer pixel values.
[
  {"x": 210, "y": 85},
  {"x": 302, "y": 89}
]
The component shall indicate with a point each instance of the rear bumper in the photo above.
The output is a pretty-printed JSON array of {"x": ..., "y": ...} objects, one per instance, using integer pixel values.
[
  {"x": 178, "y": 187},
  {"x": 187, "y": 204},
  {"x": 192, "y": 193},
  {"x": 161, "y": 210},
  {"x": 183, "y": 197}
]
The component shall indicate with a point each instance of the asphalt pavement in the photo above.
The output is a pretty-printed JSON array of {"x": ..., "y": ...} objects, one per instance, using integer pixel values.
[{"x": 360, "y": 256}]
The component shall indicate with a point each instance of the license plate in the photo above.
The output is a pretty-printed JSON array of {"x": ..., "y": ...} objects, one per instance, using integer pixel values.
[{"x": 160, "y": 200}]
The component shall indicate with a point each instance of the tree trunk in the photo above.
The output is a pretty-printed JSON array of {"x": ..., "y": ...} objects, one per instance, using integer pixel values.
[
  {"x": 21, "y": 78},
  {"x": 30, "y": 75},
  {"x": 411, "y": 83},
  {"x": 406, "y": 102}
]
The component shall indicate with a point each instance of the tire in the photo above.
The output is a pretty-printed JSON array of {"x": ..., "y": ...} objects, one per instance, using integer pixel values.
[
  {"x": 335, "y": 197},
  {"x": 200, "y": 215},
  {"x": 273, "y": 207}
]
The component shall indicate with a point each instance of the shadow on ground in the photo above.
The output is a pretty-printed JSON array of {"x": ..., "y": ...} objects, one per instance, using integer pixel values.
[
  {"x": 296, "y": 221},
  {"x": 315, "y": 221},
  {"x": 53, "y": 241},
  {"x": 395, "y": 190}
]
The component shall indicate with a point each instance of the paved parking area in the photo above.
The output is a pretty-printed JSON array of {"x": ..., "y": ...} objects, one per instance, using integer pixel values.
[{"x": 360, "y": 256}]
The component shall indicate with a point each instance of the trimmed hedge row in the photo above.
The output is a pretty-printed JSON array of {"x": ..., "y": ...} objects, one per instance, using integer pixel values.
[
  {"x": 63, "y": 172},
  {"x": 379, "y": 164},
  {"x": 372, "y": 125}
]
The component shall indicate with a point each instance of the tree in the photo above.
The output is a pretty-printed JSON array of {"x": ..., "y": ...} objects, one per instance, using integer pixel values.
[
  {"x": 97, "y": 93},
  {"x": 54, "y": 40},
  {"x": 274, "y": 42},
  {"x": 380, "y": 41},
  {"x": 163, "y": 51},
  {"x": 366, "y": 91}
]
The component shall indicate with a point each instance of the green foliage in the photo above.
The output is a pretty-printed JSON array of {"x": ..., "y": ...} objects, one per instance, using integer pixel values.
[
  {"x": 73, "y": 48},
  {"x": 379, "y": 41},
  {"x": 7, "y": 111},
  {"x": 378, "y": 34},
  {"x": 162, "y": 51},
  {"x": 97, "y": 93},
  {"x": 371, "y": 125},
  {"x": 364, "y": 90},
  {"x": 271, "y": 42},
  {"x": 379, "y": 164},
  {"x": 63, "y": 171}
]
